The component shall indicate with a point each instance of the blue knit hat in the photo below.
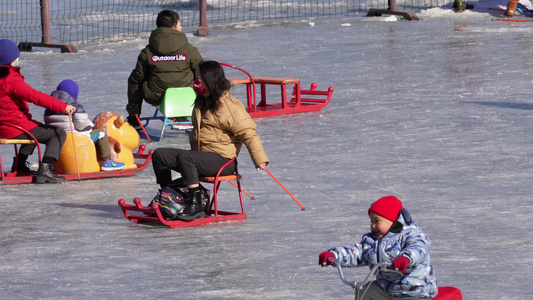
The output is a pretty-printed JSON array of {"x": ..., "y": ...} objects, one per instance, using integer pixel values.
[
  {"x": 8, "y": 51},
  {"x": 69, "y": 86}
]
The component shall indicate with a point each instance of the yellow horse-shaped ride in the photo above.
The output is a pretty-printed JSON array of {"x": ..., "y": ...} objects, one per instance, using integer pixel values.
[{"x": 123, "y": 140}]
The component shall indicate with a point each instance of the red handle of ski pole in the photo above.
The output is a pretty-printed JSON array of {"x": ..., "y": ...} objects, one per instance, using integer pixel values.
[
  {"x": 303, "y": 208},
  {"x": 139, "y": 120}
]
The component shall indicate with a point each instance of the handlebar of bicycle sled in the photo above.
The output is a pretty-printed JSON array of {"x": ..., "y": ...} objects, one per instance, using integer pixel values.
[{"x": 369, "y": 277}]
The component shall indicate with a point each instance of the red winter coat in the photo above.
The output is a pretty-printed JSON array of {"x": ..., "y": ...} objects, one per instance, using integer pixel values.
[{"x": 14, "y": 93}]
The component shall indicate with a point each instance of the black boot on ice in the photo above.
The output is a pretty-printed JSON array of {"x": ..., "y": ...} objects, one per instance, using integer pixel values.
[
  {"x": 21, "y": 167},
  {"x": 194, "y": 209},
  {"x": 47, "y": 174}
]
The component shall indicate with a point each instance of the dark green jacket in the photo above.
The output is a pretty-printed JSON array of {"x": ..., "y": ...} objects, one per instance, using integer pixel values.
[{"x": 167, "y": 61}]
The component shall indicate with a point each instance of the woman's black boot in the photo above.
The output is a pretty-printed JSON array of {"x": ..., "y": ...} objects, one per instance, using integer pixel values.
[{"x": 194, "y": 208}]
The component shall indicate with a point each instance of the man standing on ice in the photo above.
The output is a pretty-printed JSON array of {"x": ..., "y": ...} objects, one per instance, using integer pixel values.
[{"x": 167, "y": 61}]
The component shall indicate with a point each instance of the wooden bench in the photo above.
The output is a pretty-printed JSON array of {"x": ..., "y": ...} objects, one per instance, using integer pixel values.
[{"x": 16, "y": 141}]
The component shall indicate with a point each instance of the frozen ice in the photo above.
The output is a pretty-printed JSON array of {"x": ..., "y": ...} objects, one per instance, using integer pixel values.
[{"x": 441, "y": 117}]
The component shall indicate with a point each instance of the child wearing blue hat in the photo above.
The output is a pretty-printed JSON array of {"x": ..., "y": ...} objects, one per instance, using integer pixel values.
[
  {"x": 67, "y": 91},
  {"x": 15, "y": 94}
]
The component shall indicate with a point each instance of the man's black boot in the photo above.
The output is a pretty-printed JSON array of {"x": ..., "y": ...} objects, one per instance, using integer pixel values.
[
  {"x": 132, "y": 119},
  {"x": 194, "y": 209},
  {"x": 47, "y": 174}
]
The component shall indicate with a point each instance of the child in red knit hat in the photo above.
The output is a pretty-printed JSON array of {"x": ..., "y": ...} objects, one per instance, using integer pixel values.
[{"x": 394, "y": 239}]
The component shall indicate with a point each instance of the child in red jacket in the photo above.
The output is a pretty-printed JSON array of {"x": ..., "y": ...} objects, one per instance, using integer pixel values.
[{"x": 14, "y": 110}]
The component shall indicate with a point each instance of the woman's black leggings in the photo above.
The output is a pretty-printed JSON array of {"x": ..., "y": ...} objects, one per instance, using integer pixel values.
[{"x": 190, "y": 164}]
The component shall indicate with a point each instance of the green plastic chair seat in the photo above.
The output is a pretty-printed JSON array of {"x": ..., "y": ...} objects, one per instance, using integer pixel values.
[{"x": 177, "y": 102}]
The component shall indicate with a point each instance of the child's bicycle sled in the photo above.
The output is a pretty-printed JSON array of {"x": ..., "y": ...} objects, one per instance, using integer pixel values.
[{"x": 445, "y": 292}]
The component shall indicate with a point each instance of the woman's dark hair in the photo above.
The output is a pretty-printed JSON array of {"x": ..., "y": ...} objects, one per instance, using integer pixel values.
[
  {"x": 167, "y": 18},
  {"x": 213, "y": 76}
]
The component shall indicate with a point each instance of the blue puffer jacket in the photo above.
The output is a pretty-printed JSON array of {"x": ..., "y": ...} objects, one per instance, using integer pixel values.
[{"x": 410, "y": 242}]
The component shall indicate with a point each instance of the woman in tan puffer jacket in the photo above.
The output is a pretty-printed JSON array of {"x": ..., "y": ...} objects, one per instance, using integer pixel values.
[{"x": 221, "y": 125}]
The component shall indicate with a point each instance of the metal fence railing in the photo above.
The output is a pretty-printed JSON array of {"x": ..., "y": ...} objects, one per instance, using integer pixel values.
[{"x": 80, "y": 21}]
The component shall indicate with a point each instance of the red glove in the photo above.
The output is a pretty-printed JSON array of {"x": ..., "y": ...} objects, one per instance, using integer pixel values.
[
  {"x": 400, "y": 263},
  {"x": 323, "y": 258}
]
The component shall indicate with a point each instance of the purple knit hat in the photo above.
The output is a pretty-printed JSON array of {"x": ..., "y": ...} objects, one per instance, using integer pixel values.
[
  {"x": 8, "y": 51},
  {"x": 69, "y": 86}
]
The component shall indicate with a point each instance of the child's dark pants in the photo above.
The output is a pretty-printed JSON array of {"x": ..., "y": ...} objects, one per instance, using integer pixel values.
[{"x": 52, "y": 137}]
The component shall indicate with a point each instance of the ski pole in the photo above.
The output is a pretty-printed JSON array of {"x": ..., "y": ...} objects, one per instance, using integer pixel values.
[
  {"x": 251, "y": 197},
  {"x": 74, "y": 145},
  {"x": 511, "y": 20},
  {"x": 303, "y": 208},
  {"x": 139, "y": 120}
]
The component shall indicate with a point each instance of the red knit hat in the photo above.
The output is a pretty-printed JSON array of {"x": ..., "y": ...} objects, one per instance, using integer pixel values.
[{"x": 388, "y": 207}]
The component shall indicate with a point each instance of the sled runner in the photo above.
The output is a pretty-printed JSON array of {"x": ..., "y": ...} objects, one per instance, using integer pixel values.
[
  {"x": 146, "y": 214},
  {"x": 297, "y": 101},
  {"x": 445, "y": 292},
  {"x": 512, "y": 20}
]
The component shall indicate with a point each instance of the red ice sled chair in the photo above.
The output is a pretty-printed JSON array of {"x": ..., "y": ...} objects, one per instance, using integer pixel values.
[
  {"x": 8, "y": 177},
  {"x": 213, "y": 215},
  {"x": 300, "y": 100}
]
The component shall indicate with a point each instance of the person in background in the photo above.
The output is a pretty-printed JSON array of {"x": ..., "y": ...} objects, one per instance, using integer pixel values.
[
  {"x": 394, "y": 239},
  {"x": 67, "y": 91},
  {"x": 221, "y": 125},
  {"x": 511, "y": 8},
  {"x": 167, "y": 61},
  {"x": 14, "y": 109},
  {"x": 461, "y": 5}
]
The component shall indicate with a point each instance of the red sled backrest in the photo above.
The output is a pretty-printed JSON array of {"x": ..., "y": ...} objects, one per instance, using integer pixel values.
[{"x": 449, "y": 293}]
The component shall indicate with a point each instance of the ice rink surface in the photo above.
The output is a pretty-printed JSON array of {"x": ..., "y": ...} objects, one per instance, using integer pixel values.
[{"x": 441, "y": 117}]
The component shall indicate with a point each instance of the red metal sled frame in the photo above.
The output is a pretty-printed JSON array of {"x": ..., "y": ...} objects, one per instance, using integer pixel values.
[
  {"x": 299, "y": 101},
  {"x": 153, "y": 214},
  {"x": 117, "y": 173},
  {"x": 12, "y": 178}
]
